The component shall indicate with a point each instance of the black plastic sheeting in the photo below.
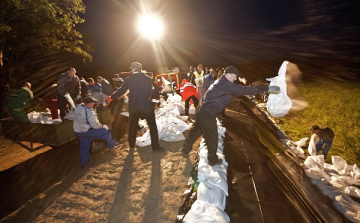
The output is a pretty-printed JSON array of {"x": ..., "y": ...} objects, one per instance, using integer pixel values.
[{"x": 266, "y": 183}]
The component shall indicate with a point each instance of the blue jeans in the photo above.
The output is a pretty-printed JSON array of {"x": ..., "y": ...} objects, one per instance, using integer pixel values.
[
  {"x": 320, "y": 143},
  {"x": 85, "y": 139}
]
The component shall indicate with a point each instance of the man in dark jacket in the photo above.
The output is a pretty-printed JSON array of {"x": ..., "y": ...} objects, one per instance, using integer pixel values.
[
  {"x": 326, "y": 137},
  {"x": 214, "y": 101},
  {"x": 68, "y": 84},
  {"x": 106, "y": 87},
  {"x": 140, "y": 87}
]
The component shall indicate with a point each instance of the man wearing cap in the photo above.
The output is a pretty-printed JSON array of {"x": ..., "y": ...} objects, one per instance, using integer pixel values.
[
  {"x": 140, "y": 87},
  {"x": 325, "y": 138},
  {"x": 213, "y": 102},
  {"x": 87, "y": 127}
]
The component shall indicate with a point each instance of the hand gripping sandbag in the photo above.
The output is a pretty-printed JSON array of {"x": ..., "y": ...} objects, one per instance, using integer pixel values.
[{"x": 278, "y": 105}]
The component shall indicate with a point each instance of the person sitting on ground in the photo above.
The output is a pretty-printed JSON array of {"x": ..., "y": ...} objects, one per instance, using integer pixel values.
[
  {"x": 87, "y": 127},
  {"x": 214, "y": 101},
  {"x": 188, "y": 92},
  {"x": 325, "y": 137},
  {"x": 18, "y": 100}
]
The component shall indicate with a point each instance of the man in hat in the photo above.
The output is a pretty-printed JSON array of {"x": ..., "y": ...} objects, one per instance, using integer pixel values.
[
  {"x": 140, "y": 87},
  {"x": 325, "y": 138},
  {"x": 87, "y": 127},
  {"x": 214, "y": 101}
]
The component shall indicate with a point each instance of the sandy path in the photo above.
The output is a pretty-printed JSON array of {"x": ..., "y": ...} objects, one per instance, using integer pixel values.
[{"x": 123, "y": 186}]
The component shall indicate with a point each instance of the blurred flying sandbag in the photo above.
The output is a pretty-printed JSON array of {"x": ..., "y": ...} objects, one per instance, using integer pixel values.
[{"x": 278, "y": 105}]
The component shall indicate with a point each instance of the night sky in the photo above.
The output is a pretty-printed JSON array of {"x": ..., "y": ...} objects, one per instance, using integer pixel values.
[{"x": 221, "y": 32}]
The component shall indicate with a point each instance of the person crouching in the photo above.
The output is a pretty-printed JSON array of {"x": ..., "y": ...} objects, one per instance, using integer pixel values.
[{"x": 87, "y": 127}]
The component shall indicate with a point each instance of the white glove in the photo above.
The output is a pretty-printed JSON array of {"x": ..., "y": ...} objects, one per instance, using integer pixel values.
[
  {"x": 78, "y": 97},
  {"x": 105, "y": 127}
]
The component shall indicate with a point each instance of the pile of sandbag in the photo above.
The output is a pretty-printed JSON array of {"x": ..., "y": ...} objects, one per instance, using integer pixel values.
[
  {"x": 213, "y": 187},
  {"x": 42, "y": 117},
  {"x": 169, "y": 123},
  {"x": 338, "y": 181}
]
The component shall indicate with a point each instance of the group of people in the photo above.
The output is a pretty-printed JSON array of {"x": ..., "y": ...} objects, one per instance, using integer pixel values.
[{"x": 214, "y": 95}]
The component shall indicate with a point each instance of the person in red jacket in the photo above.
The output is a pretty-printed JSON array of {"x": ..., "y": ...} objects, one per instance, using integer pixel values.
[{"x": 188, "y": 92}]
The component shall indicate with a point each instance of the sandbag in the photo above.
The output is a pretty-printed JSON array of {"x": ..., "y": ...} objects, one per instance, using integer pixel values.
[{"x": 278, "y": 105}]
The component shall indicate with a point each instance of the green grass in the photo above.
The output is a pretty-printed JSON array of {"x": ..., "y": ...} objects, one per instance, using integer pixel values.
[{"x": 331, "y": 104}]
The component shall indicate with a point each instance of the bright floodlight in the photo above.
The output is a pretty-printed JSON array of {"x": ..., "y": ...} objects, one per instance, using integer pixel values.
[{"x": 150, "y": 26}]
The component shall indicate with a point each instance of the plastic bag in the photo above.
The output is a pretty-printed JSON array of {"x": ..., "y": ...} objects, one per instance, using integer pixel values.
[
  {"x": 278, "y": 105},
  {"x": 311, "y": 148}
]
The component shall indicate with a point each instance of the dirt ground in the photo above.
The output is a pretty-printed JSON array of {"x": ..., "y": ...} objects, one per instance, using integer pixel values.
[
  {"x": 122, "y": 185},
  {"x": 12, "y": 154}
]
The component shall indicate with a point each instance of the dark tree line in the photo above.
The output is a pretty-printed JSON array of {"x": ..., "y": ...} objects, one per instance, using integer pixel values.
[{"x": 38, "y": 40}]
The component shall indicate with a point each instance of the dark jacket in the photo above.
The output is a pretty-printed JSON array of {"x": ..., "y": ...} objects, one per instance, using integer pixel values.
[
  {"x": 66, "y": 84},
  {"x": 326, "y": 134},
  {"x": 204, "y": 85},
  {"x": 140, "y": 87},
  {"x": 220, "y": 92},
  {"x": 156, "y": 91},
  {"x": 106, "y": 87}
]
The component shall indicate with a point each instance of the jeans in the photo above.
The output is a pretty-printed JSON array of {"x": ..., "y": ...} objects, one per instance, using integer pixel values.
[
  {"x": 85, "y": 139},
  {"x": 327, "y": 145}
]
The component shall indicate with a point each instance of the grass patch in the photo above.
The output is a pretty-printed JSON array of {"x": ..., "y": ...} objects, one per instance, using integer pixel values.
[{"x": 331, "y": 104}]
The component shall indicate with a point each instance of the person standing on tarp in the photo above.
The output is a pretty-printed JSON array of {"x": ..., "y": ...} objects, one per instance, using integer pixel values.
[
  {"x": 18, "y": 100},
  {"x": 325, "y": 138},
  {"x": 68, "y": 85},
  {"x": 214, "y": 101},
  {"x": 87, "y": 127},
  {"x": 140, "y": 87}
]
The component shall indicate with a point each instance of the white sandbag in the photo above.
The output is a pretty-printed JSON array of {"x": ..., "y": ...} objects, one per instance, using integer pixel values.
[
  {"x": 212, "y": 195},
  {"x": 348, "y": 207},
  {"x": 70, "y": 100},
  {"x": 70, "y": 115},
  {"x": 302, "y": 142},
  {"x": 144, "y": 140},
  {"x": 203, "y": 212},
  {"x": 312, "y": 148},
  {"x": 172, "y": 135},
  {"x": 278, "y": 105},
  {"x": 339, "y": 164}
]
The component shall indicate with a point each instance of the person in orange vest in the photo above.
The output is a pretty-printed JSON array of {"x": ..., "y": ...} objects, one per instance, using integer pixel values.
[{"x": 188, "y": 92}]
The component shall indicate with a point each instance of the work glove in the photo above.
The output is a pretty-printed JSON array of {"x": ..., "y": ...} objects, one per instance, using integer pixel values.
[
  {"x": 78, "y": 97},
  {"x": 105, "y": 127},
  {"x": 274, "y": 90}
]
